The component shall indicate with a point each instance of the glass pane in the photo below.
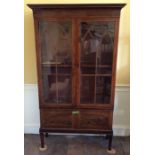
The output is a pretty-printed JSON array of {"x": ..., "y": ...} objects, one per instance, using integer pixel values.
[
  {"x": 55, "y": 42},
  {"x": 64, "y": 70},
  {"x": 87, "y": 89},
  {"x": 64, "y": 89},
  {"x": 56, "y": 49},
  {"x": 96, "y": 50},
  {"x": 103, "y": 89},
  {"x": 104, "y": 70},
  {"x": 97, "y": 40},
  {"x": 88, "y": 69},
  {"x": 52, "y": 90}
]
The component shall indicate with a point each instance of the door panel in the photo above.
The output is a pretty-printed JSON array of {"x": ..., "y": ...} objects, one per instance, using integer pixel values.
[
  {"x": 96, "y": 59},
  {"x": 56, "y": 47}
]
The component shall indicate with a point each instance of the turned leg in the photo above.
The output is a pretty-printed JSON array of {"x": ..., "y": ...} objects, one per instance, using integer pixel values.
[
  {"x": 42, "y": 139},
  {"x": 110, "y": 141},
  {"x": 42, "y": 147},
  {"x": 110, "y": 149},
  {"x": 46, "y": 134}
]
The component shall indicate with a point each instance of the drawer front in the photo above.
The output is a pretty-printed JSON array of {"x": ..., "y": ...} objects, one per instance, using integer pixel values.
[
  {"x": 95, "y": 120},
  {"x": 56, "y": 119}
]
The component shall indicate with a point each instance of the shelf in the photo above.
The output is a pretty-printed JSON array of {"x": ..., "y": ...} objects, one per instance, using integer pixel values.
[
  {"x": 97, "y": 66},
  {"x": 96, "y": 75},
  {"x": 56, "y": 65},
  {"x": 66, "y": 65},
  {"x": 60, "y": 74}
]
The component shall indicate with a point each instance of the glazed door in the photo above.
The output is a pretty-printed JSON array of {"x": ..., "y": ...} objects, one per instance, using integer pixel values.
[
  {"x": 76, "y": 62},
  {"x": 96, "y": 50},
  {"x": 56, "y": 62}
]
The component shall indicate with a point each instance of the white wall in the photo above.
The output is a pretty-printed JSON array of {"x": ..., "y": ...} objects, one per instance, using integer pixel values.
[{"x": 121, "y": 122}]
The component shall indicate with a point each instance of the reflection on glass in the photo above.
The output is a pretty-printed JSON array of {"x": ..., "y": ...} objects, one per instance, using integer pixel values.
[
  {"x": 64, "y": 89},
  {"x": 97, "y": 42},
  {"x": 56, "y": 40},
  {"x": 52, "y": 92}
]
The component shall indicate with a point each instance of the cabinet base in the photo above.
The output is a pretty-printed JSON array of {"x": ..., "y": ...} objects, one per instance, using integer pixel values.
[{"x": 108, "y": 133}]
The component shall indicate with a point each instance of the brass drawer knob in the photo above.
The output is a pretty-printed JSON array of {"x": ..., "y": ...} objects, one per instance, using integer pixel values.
[{"x": 75, "y": 112}]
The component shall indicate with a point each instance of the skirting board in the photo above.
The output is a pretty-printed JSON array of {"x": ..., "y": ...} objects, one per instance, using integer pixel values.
[{"x": 121, "y": 120}]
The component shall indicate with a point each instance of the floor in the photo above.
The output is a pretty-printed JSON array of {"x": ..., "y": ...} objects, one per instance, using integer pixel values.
[{"x": 75, "y": 145}]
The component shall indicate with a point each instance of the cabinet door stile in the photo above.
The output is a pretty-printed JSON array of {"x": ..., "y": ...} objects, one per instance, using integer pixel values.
[
  {"x": 74, "y": 80},
  {"x": 38, "y": 59},
  {"x": 96, "y": 52},
  {"x": 76, "y": 61},
  {"x": 55, "y": 61},
  {"x": 114, "y": 61}
]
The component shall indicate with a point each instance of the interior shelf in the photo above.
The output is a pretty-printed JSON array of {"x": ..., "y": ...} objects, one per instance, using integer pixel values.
[
  {"x": 60, "y": 74},
  {"x": 96, "y": 75},
  {"x": 56, "y": 65},
  {"x": 102, "y": 66},
  {"x": 69, "y": 65}
]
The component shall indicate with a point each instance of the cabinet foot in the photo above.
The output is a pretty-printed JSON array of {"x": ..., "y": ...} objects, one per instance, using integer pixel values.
[
  {"x": 110, "y": 136},
  {"x": 43, "y": 148},
  {"x": 111, "y": 151}
]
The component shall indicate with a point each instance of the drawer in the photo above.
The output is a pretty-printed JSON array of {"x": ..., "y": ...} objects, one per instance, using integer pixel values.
[
  {"x": 101, "y": 120},
  {"x": 56, "y": 119}
]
